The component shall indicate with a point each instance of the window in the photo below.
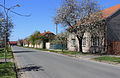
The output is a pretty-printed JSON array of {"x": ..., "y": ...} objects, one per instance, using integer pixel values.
[
  {"x": 95, "y": 41},
  {"x": 84, "y": 41},
  {"x": 73, "y": 42}
]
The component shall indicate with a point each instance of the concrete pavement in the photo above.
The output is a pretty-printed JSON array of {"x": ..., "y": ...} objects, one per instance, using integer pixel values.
[{"x": 40, "y": 64}]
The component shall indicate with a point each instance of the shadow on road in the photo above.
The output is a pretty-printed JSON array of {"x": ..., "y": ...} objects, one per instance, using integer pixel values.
[
  {"x": 31, "y": 68},
  {"x": 22, "y": 51}
]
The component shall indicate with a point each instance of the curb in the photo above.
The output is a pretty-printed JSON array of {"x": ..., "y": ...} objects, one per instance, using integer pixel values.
[{"x": 15, "y": 64}]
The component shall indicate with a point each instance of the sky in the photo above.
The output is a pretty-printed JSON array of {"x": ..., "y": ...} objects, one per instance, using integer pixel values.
[{"x": 41, "y": 19}]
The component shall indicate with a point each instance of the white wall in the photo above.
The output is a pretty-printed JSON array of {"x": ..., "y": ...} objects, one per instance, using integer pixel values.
[
  {"x": 88, "y": 47},
  {"x": 76, "y": 47},
  {"x": 48, "y": 45}
]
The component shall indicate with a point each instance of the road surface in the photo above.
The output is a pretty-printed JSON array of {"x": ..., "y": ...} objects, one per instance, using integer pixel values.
[{"x": 40, "y": 64}]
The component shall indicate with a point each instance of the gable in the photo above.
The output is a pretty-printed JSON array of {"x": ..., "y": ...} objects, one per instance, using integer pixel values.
[{"x": 113, "y": 27}]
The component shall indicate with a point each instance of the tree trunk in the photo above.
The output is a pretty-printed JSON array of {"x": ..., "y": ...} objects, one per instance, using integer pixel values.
[
  {"x": 62, "y": 47},
  {"x": 80, "y": 43},
  {"x": 28, "y": 44}
]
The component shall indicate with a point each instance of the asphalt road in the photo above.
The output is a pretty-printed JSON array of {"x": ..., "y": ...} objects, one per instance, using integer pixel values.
[{"x": 40, "y": 64}]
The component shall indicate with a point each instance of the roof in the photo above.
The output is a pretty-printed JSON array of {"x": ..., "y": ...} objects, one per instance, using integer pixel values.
[
  {"x": 109, "y": 11},
  {"x": 13, "y": 42},
  {"x": 48, "y": 32},
  {"x": 106, "y": 13}
]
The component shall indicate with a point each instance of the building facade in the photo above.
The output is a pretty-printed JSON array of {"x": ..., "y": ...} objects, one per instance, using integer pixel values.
[{"x": 103, "y": 41}]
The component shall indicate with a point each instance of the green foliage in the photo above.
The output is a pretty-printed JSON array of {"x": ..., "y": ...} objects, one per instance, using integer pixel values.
[
  {"x": 37, "y": 38},
  {"x": 8, "y": 55},
  {"x": 62, "y": 52},
  {"x": 65, "y": 52},
  {"x": 32, "y": 39},
  {"x": 7, "y": 70},
  {"x": 60, "y": 38}
]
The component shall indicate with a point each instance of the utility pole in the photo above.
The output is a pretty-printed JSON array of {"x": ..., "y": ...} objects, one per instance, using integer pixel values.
[
  {"x": 6, "y": 27},
  {"x": 7, "y": 19},
  {"x": 5, "y": 34},
  {"x": 6, "y": 10},
  {"x": 56, "y": 28}
]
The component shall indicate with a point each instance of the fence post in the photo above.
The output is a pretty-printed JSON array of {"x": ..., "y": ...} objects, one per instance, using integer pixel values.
[
  {"x": 119, "y": 46},
  {"x": 107, "y": 46},
  {"x": 113, "y": 46}
]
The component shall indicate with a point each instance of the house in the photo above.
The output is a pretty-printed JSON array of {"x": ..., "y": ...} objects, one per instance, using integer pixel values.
[
  {"x": 108, "y": 43},
  {"x": 20, "y": 42},
  {"x": 25, "y": 43},
  {"x": 45, "y": 43},
  {"x": 13, "y": 43}
]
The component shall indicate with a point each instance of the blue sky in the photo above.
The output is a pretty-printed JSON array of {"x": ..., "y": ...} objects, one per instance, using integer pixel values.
[{"x": 42, "y": 12}]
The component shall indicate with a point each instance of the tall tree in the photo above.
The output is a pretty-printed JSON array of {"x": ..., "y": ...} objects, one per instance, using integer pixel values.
[
  {"x": 4, "y": 26},
  {"x": 35, "y": 37},
  {"x": 78, "y": 15}
]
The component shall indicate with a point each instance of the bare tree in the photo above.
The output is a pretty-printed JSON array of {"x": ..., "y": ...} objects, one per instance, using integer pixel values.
[
  {"x": 1, "y": 31},
  {"x": 3, "y": 27},
  {"x": 79, "y": 16}
]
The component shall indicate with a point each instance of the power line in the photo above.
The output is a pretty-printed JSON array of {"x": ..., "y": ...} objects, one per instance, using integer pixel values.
[{"x": 15, "y": 12}]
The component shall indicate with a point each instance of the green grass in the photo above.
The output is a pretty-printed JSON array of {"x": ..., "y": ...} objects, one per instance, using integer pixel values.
[
  {"x": 8, "y": 54},
  {"x": 62, "y": 52},
  {"x": 108, "y": 58},
  {"x": 7, "y": 70},
  {"x": 65, "y": 52},
  {"x": 42, "y": 49}
]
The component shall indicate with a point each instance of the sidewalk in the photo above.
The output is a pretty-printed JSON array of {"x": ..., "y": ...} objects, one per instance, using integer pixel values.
[
  {"x": 87, "y": 57},
  {"x": 8, "y": 60}
]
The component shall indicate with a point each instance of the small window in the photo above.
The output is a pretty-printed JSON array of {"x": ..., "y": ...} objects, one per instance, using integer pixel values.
[
  {"x": 84, "y": 42},
  {"x": 73, "y": 42},
  {"x": 95, "y": 41}
]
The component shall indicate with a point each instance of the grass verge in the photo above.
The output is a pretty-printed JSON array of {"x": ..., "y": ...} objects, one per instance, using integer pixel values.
[
  {"x": 8, "y": 54},
  {"x": 7, "y": 70},
  {"x": 108, "y": 59},
  {"x": 62, "y": 52}
]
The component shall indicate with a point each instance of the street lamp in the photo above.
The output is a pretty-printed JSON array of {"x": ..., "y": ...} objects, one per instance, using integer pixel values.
[{"x": 6, "y": 11}]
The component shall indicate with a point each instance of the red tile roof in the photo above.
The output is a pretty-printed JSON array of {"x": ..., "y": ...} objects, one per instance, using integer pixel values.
[
  {"x": 106, "y": 13},
  {"x": 109, "y": 11},
  {"x": 48, "y": 32},
  {"x": 13, "y": 42}
]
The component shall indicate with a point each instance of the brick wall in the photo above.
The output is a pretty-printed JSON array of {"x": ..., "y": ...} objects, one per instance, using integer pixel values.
[{"x": 113, "y": 47}]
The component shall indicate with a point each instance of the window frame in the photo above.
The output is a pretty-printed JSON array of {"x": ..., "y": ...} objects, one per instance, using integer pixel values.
[
  {"x": 73, "y": 42},
  {"x": 95, "y": 41},
  {"x": 84, "y": 42}
]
